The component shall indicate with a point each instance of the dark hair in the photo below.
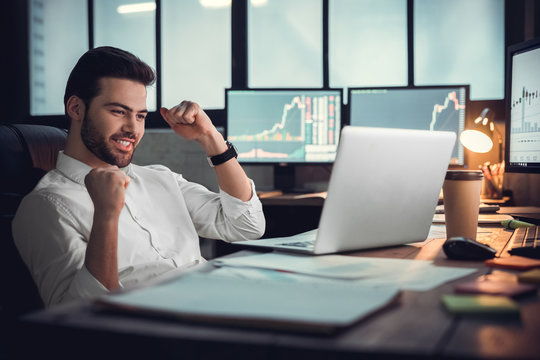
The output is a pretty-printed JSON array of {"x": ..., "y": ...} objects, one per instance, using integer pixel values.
[{"x": 105, "y": 61}]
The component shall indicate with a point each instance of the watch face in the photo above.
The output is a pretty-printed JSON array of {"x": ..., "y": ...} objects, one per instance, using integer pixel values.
[{"x": 232, "y": 147}]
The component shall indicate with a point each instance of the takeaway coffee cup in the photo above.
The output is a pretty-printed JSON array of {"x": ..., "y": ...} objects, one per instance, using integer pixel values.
[{"x": 461, "y": 193}]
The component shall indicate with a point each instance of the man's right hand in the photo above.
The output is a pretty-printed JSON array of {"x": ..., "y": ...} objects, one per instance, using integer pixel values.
[{"x": 106, "y": 186}]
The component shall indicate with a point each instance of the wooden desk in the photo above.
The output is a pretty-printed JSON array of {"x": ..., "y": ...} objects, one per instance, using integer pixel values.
[
  {"x": 277, "y": 198},
  {"x": 417, "y": 327}
]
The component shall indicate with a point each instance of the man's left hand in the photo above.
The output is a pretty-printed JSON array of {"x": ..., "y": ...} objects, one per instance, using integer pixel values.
[{"x": 188, "y": 120}]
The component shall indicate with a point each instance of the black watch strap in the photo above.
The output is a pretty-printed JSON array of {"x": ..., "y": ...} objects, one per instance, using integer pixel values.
[{"x": 223, "y": 157}]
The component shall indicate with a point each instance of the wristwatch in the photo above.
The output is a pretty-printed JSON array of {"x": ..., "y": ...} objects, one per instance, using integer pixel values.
[{"x": 223, "y": 157}]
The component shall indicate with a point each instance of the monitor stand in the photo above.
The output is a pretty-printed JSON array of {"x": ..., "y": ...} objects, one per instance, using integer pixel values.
[{"x": 285, "y": 179}]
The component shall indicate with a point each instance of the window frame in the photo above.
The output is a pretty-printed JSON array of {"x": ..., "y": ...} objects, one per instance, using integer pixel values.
[{"x": 239, "y": 62}]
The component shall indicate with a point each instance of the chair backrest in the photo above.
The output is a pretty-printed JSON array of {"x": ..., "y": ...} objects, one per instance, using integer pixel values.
[{"x": 27, "y": 152}]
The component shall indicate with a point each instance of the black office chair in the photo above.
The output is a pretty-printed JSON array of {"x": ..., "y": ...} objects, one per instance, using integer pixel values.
[{"x": 27, "y": 152}]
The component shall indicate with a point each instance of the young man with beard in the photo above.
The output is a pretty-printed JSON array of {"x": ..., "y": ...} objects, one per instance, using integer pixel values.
[{"x": 97, "y": 223}]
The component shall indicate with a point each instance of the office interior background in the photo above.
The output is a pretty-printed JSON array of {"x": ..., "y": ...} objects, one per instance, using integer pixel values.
[{"x": 199, "y": 48}]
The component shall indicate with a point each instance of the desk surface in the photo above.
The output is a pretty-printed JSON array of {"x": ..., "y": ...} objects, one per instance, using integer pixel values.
[
  {"x": 417, "y": 327},
  {"x": 273, "y": 198}
]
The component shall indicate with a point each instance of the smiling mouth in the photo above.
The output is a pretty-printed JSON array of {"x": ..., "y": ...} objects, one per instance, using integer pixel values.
[
  {"x": 123, "y": 142},
  {"x": 124, "y": 145}
]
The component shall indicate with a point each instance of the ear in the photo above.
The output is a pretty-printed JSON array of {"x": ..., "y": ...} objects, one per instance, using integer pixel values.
[{"x": 75, "y": 108}]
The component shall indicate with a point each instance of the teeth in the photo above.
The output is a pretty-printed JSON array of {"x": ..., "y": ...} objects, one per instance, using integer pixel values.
[{"x": 123, "y": 142}]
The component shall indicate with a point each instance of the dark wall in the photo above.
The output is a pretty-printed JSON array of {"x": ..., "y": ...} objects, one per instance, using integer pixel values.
[{"x": 14, "y": 70}]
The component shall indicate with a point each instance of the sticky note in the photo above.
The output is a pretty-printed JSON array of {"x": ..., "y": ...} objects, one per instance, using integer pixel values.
[
  {"x": 513, "y": 262},
  {"x": 480, "y": 305}
]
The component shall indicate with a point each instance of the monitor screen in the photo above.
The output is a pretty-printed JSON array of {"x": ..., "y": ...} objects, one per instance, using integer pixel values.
[
  {"x": 423, "y": 107},
  {"x": 522, "y": 152},
  {"x": 284, "y": 125}
]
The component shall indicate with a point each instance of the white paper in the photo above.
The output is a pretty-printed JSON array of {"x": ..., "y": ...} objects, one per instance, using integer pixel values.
[
  {"x": 231, "y": 298},
  {"x": 419, "y": 278},
  {"x": 404, "y": 274},
  {"x": 482, "y": 218},
  {"x": 328, "y": 266},
  {"x": 437, "y": 232}
]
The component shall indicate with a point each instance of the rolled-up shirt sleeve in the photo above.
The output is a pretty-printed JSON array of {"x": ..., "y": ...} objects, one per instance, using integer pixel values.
[
  {"x": 84, "y": 285},
  {"x": 46, "y": 235},
  {"x": 222, "y": 216}
]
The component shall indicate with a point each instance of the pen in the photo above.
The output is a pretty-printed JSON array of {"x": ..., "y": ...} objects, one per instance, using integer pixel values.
[
  {"x": 514, "y": 224},
  {"x": 491, "y": 180}
]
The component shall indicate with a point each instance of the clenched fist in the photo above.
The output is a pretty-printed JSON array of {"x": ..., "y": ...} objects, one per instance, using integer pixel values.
[{"x": 106, "y": 186}]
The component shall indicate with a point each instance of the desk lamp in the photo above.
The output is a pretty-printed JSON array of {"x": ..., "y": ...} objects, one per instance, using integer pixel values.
[{"x": 480, "y": 136}]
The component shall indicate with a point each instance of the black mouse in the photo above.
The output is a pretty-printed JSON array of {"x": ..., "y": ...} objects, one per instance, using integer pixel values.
[{"x": 461, "y": 248}]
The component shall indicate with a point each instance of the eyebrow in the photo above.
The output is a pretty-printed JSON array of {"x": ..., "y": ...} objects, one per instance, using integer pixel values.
[{"x": 125, "y": 107}]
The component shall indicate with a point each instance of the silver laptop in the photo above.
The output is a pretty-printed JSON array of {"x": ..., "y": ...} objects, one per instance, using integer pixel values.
[{"x": 383, "y": 190}]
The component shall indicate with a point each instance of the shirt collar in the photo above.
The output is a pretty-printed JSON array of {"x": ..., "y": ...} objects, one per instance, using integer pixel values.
[{"x": 76, "y": 170}]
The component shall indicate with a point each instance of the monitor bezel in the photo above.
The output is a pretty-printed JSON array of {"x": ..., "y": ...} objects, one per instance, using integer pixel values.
[
  {"x": 512, "y": 50},
  {"x": 299, "y": 89},
  {"x": 420, "y": 87}
]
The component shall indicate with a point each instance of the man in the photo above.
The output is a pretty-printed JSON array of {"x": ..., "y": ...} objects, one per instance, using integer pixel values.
[{"x": 98, "y": 222}]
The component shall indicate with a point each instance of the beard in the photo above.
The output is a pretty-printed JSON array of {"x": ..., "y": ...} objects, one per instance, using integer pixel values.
[{"x": 100, "y": 146}]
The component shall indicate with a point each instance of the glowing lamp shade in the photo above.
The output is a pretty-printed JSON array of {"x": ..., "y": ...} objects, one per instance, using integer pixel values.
[{"x": 476, "y": 141}]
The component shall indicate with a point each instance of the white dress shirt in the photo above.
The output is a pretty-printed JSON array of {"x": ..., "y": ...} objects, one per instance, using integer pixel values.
[{"x": 159, "y": 227}]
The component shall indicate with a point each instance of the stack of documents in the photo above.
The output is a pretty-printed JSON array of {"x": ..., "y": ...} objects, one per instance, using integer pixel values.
[
  {"x": 289, "y": 292},
  {"x": 306, "y": 307},
  {"x": 482, "y": 218}
]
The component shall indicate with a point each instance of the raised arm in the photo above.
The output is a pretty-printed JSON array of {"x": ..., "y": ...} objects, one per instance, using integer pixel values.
[{"x": 190, "y": 122}]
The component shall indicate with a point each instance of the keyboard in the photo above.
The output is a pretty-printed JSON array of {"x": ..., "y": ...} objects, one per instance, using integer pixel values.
[
  {"x": 302, "y": 244},
  {"x": 526, "y": 242}
]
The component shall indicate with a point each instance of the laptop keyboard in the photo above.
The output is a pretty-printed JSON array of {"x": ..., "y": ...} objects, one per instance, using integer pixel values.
[
  {"x": 526, "y": 242},
  {"x": 302, "y": 244}
]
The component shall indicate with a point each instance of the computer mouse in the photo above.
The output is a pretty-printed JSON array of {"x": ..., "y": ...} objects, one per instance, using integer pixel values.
[{"x": 462, "y": 248}]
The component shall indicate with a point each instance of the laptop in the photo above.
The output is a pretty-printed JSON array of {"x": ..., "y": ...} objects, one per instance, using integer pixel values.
[{"x": 383, "y": 190}]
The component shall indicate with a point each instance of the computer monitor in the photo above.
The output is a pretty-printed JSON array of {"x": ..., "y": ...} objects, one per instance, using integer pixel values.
[
  {"x": 421, "y": 107},
  {"x": 284, "y": 127},
  {"x": 522, "y": 151}
]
